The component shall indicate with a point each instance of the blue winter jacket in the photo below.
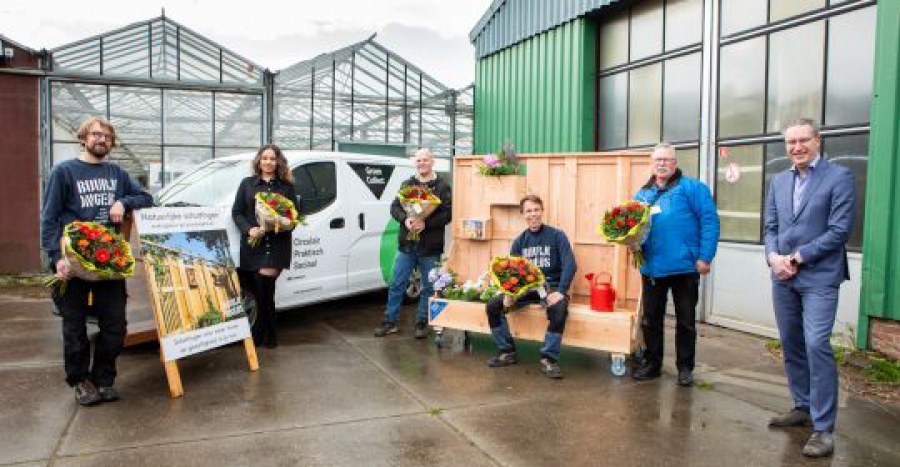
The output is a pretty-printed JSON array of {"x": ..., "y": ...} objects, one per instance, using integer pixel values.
[{"x": 685, "y": 228}]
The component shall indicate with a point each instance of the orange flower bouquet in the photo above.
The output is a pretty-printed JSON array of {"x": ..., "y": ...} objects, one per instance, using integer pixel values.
[
  {"x": 274, "y": 213},
  {"x": 419, "y": 202},
  {"x": 94, "y": 253},
  {"x": 515, "y": 275}
]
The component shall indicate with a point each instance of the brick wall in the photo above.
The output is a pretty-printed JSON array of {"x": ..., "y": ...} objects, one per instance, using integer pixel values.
[{"x": 886, "y": 337}]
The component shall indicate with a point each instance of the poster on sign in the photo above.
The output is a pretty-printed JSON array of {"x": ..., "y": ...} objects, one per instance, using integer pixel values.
[{"x": 192, "y": 284}]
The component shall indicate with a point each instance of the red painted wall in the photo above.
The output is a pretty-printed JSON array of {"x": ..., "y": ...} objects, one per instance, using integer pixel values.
[{"x": 19, "y": 175}]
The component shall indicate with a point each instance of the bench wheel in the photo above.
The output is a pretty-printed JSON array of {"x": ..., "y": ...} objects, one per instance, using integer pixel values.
[
  {"x": 439, "y": 337},
  {"x": 618, "y": 365}
]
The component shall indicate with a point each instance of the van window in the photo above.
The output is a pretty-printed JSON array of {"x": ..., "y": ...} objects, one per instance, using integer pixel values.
[{"x": 316, "y": 186}]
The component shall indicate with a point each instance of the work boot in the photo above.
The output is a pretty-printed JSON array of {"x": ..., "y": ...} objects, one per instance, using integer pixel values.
[
  {"x": 646, "y": 371},
  {"x": 685, "y": 378},
  {"x": 820, "y": 444},
  {"x": 795, "y": 417},
  {"x": 421, "y": 330},
  {"x": 86, "y": 393},
  {"x": 550, "y": 368},
  {"x": 108, "y": 394},
  {"x": 387, "y": 327},
  {"x": 502, "y": 359}
]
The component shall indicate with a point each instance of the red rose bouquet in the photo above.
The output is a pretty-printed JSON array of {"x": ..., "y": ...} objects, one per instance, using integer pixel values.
[
  {"x": 274, "y": 213},
  {"x": 419, "y": 202},
  {"x": 627, "y": 224},
  {"x": 515, "y": 275},
  {"x": 94, "y": 253}
]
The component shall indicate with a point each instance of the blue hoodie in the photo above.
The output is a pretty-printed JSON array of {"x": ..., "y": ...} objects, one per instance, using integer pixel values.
[
  {"x": 685, "y": 229},
  {"x": 81, "y": 191},
  {"x": 548, "y": 249}
]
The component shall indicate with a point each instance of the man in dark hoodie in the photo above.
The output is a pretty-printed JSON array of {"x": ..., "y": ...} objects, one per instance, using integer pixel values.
[
  {"x": 549, "y": 249},
  {"x": 423, "y": 253},
  {"x": 90, "y": 189}
]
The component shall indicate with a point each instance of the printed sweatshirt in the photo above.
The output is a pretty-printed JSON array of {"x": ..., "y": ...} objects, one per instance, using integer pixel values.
[
  {"x": 548, "y": 249},
  {"x": 82, "y": 191}
]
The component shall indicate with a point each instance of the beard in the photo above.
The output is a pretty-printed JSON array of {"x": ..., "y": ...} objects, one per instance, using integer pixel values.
[{"x": 98, "y": 150}]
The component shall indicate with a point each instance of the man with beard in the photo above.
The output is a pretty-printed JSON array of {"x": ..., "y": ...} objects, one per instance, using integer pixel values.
[
  {"x": 89, "y": 189},
  {"x": 681, "y": 244}
]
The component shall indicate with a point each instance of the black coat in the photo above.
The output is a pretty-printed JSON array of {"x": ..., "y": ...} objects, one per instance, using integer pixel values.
[
  {"x": 431, "y": 241},
  {"x": 274, "y": 249}
]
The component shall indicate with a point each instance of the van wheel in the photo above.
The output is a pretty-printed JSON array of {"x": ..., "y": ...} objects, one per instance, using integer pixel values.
[
  {"x": 248, "y": 301},
  {"x": 414, "y": 288}
]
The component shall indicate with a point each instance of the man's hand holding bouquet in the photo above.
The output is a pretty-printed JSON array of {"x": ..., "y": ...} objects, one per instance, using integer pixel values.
[{"x": 418, "y": 202}]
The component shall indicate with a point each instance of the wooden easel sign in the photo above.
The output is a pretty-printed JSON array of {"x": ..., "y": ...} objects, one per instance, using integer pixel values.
[{"x": 192, "y": 284}]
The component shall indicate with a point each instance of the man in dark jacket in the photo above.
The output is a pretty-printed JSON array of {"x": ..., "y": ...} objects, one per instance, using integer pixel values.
[
  {"x": 549, "y": 249},
  {"x": 684, "y": 234},
  {"x": 90, "y": 189},
  {"x": 424, "y": 252}
]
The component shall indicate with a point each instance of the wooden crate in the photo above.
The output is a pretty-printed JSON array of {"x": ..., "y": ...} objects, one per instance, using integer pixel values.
[{"x": 577, "y": 188}]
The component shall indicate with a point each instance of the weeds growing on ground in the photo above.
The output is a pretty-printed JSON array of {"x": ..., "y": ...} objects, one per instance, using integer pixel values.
[
  {"x": 883, "y": 371},
  {"x": 435, "y": 411}
]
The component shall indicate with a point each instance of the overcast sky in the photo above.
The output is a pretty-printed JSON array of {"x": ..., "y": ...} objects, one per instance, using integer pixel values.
[{"x": 431, "y": 34}]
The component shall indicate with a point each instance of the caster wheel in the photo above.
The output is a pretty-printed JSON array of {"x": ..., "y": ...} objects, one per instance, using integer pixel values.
[
  {"x": 617, "y": 365},
  {"x": 439, "y": 340}
]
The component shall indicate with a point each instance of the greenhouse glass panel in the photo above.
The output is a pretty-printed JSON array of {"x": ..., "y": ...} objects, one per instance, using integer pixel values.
[
  {"x": 613, "y": 111},
  {"x": 681, "y": 99},
  {"x": 740, "y": 15},
  {"x": 137, "y": 114},
  {"x": 65, "y": 151},
  {"x": 187, "y": 117},
  {"x": 178, "y": 160},
  {"x": 740, "y": 200},
  {"x": 164, "y": 56},
  {"x": 646, "y": 29},
  {"x": 783, "y": 9},
  {"x": 614, "y": 41},
  {"x": 742, "y": 87},
  {"x": 238, "y": 120},
  {"x": 684, "y": 23},
  {"x": 74, "y": 103},
  {"x": 199, "y": 60},
  {"x": 142, "y": 162},
  {"x": 126, "y": 53},
  {"x": 82, "y": 58}
]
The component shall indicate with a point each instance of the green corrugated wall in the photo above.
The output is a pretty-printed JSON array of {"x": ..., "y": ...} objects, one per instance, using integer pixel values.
[
  {"x": 880, "y": 297},
  {"x": 539, "y": 94}
]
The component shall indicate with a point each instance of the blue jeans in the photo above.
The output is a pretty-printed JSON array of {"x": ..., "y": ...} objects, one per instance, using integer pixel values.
[{"x": 403, "y": 268}]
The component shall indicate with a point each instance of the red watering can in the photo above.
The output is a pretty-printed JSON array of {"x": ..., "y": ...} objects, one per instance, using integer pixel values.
[{"x": 603, "y": 295}]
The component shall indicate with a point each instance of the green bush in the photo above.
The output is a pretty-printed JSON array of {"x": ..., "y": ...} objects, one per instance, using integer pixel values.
[{"x": 883, "y": 371}]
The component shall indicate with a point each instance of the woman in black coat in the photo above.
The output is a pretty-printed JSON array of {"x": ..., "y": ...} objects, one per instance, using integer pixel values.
[{"x": 265, "y": 261}]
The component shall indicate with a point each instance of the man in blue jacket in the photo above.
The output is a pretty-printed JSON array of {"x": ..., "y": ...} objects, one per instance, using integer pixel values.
[
  {"x": 549, "y": 249},
  {"x": 684, "y": 233}
]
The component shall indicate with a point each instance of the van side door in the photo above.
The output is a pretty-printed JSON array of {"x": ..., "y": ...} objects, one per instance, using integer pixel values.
[{"x": 319, "y": 255}]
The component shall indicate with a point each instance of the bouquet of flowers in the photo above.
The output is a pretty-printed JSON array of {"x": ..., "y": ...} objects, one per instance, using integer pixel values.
[
  {"x": 274, "y": 213},
  {"x": 627, "y": 224},
  {"x": 504, "y": 162},
  {"x": 444, "y": 281},
  {"x": 515, "y": 275},
  {"x": 418, "y": 202},
  {"x": 94, "y": 253}
]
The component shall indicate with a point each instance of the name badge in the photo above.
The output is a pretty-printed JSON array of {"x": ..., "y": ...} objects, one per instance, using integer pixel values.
[{"x": 656, "y": 209}]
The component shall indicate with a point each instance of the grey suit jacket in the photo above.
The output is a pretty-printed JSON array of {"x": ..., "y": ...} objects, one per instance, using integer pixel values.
[{"x": 820, "y": 228}]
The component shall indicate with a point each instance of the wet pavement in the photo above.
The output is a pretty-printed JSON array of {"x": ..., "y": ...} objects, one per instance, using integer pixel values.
[{"x": 332, "y": 394}]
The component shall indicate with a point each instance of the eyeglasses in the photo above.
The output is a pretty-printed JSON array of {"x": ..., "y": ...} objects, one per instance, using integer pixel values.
[
  {"x": 100, "y": 134},
  {"x": 794, "y": 142},
  {"x": 663, "y": 160}
]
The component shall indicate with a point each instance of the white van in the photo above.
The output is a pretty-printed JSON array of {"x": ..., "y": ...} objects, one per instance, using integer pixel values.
[{"x": 348, "y": 241}]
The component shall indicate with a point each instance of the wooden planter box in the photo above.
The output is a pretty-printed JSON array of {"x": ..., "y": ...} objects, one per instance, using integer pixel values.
[{"x": 577, "y": 189}]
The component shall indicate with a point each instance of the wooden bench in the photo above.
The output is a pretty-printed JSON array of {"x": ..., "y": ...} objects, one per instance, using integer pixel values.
[{"x": 616, "y": 332}]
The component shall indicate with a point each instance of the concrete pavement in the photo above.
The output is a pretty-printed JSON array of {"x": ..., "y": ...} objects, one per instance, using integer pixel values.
[{"x": 332, "y": 394}]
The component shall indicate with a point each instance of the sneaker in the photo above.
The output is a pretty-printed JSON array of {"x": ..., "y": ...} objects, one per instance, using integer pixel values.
[
  {"x": 502, "y": 359},
  {"x": 685, "y": 378},
  {"x": 387, "y": 327},
  {"x": 646, "y": 371},
  {"x": 550, "y": 368},
  {"x": 86, "y": 393},
  {"x": 795, "y": 417},
  {"x": 108, "y": 394},
  {"x": 421, "y": 330},
  {"x": 820, "y": 444}
]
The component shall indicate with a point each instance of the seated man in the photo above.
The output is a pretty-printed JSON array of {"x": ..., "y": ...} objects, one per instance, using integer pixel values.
[{"x": 547, "y": 248}]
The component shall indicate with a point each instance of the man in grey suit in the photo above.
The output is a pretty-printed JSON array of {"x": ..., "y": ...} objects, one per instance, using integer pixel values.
[{"x": 809, "y": 217}]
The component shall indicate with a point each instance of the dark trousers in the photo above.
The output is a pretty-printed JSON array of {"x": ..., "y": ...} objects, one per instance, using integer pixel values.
[
  {"x": 556, "y": 317},
  {"x": 685, "y": 292},
  {"x": 109, "y": 298},
  {"x": 264, "y": 329}
]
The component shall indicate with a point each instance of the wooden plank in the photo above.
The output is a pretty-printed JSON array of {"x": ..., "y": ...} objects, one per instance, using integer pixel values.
[
  {"x": 250, "y": 348},
  {"x": 609, "y": 332},
  {"x": 141, "y": 332}
]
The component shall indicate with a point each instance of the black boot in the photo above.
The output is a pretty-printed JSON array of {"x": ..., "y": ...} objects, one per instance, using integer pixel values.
[{"x": 265, "y": 305}]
